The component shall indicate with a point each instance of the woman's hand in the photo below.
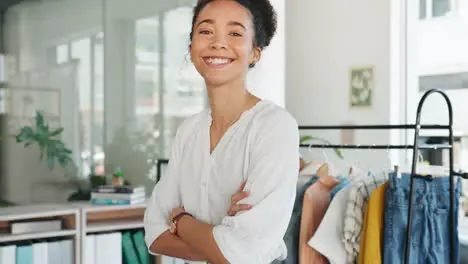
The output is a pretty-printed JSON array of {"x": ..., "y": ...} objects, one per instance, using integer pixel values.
[
  {"x": 174, "y": 213},
  {"x": 239, "y": 195}
]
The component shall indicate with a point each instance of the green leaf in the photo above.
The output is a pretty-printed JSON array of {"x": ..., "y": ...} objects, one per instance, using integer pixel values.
[
  {"x": 63, "y": 160},
  {"x": 27, "y": 144},
  {"x": 305, "y": 138},
  {"x": 339, "y": 153},
  {"x": 68, "y": 151},
  {"x": 56, "y": 132},
  {"x": 50, "y": 160},
  {"x": 25, "y": 134},
  {"x": 39, "y": 119}
]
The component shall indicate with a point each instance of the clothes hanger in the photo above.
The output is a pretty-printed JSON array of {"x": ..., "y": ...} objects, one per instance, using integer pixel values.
[
  {"x": 370, "y": 168},
  {"x": 323, "y": 170},
  {"x": 349, "y": 168},
  {"x": 344, "y": 168},
  {"x": 352, "y": 170},
  {"x": 390, "y": 168},
  {"x": 357, "y": 163},
  {"x": 425, "y": 170},
  {"x": 326, "y": 172},
  {"x": 311, "y": 168},
  {"x": 327, "y": 168}
]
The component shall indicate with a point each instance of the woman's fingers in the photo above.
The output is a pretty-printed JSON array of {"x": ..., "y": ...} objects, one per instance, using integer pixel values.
[
  {"x": 241, "y": 207},
  {"x": 239, "y": 196},
  {"x": 238, "y": 208},
  {"x": 241, "y": 188}
]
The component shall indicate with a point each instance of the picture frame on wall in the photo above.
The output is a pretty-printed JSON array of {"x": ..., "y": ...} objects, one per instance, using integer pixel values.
[{"x": 361, "y": 86}]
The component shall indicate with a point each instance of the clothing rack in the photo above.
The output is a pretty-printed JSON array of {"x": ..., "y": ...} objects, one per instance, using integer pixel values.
[{"x": 415, "y": 147}]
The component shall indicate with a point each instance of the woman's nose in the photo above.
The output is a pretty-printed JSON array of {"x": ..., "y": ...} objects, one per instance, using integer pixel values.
[{"x": 218, "y": 43}]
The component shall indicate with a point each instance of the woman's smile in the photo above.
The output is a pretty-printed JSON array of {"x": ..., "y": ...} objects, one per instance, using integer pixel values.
[{"x": 217, "y": 62}]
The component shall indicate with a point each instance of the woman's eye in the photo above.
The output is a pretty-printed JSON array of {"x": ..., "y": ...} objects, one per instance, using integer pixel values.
[
  {"x": 235, "y": 34},
  {"x": 204, "y": 32}
]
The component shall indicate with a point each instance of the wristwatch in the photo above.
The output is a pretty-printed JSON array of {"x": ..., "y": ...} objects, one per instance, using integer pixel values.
[{"x": 173, "y": 226}]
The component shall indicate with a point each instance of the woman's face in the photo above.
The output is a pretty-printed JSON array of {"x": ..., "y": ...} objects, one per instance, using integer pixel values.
[{"x": 222, "y": 43}]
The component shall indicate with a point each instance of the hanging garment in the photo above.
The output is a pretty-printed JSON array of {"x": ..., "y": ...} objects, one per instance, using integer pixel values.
[
  {"x": 327, "y": 240},
  {"x": 343, "y": 183},
  {"x": 357, "y": 204},
  {"x": 316, "y": 201},
  {"x": 372, "y": 233},
  {"x": 430, "y": 234},
  {"x": 291, "y": 237}
]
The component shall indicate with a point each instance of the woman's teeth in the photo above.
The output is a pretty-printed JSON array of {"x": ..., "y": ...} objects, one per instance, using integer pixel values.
[{"x": 218, "y": 61}]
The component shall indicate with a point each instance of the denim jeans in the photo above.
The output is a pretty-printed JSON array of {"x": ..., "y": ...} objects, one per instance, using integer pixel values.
[{"x": 430, "y": 233}]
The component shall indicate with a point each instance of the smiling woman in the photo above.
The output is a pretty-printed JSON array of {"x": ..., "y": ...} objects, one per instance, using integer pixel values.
[
  {"x": 230, "y": 41},
  {"x": 234, "y": 166}
]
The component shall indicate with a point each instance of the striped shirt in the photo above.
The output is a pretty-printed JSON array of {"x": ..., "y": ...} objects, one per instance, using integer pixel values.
[{"x": 358, "y": 198}]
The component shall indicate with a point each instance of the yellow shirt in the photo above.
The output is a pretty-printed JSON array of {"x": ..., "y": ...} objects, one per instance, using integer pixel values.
[{"x": 372, "y": 231}]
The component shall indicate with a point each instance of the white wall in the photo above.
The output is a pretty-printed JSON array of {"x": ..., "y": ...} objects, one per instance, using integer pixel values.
[
  {"x": 268, "y": 78},
  {"x": 325, "y": 39}
]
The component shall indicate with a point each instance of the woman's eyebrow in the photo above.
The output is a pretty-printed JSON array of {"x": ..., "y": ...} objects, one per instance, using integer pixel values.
[
  {"x": 231, "y": 23},
  {"x": 208, "y": 21}
]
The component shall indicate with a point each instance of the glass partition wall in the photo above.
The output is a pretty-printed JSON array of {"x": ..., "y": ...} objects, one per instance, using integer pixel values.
[{"x": 116, "y": 76}]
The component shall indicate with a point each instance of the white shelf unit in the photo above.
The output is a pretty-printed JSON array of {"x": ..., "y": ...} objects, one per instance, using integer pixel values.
[
  {"x": 105, "y": 218},
  {"x": 109, "y": 218},
  {"x": 79, "y": 219},
  {"x": 68, "y": 215}
]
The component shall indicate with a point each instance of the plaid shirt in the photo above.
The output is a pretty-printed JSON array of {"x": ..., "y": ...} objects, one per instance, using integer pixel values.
[{"x": 358, "y": 197}]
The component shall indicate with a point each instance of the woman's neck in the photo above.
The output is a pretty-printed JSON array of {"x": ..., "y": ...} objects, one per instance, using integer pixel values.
[{"x": 228, "y": 102}]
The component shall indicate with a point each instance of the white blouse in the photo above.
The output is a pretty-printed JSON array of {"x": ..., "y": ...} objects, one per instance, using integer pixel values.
[{"x": 262, "y": 147}]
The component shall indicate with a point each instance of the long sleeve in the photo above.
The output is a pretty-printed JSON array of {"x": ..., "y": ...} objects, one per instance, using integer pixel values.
[
  {"x": 164, "y": 198},
  {"x": 255, "y": 236}
]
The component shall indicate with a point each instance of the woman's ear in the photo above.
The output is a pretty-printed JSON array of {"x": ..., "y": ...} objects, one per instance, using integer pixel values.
[
  {"x": 257, "y": 53},
  {"x": 190, "y": 52}
]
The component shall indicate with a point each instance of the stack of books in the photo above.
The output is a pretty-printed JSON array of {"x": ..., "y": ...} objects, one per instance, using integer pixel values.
[
  {"x": 118, "y": 195},
  {"x": 41, "y": 252},
  {"x": 117, "y": 247}
]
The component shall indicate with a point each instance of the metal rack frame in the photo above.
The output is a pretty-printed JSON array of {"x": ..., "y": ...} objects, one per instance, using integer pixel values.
[{"x": 415, "y": 147}]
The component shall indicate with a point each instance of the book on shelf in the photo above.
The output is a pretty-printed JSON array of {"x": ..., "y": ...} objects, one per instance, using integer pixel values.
[
  {"x": 8, "y": 254},
  {"x": 119, "y": 189},
  {"x": 118, "y": 196},
  {"x": 116, "y": 202},
  {"x": 129, "y": 253},
  {"x": 115, "y": 195},
  {"x": 35, "y": 226},
  {"x": 126, "y": 247},
  {"x": 60, "y": 251},
  {"x": 138, "y": 239},
  {"x": 107, "y": 248}
]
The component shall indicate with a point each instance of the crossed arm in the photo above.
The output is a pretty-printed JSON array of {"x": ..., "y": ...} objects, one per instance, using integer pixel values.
[
  {"x": 194, "y": 241},
  {"x": 173, "y": 246},
  {"x": 186, "y": 244},
  {"x": 247, "y": 237}
]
